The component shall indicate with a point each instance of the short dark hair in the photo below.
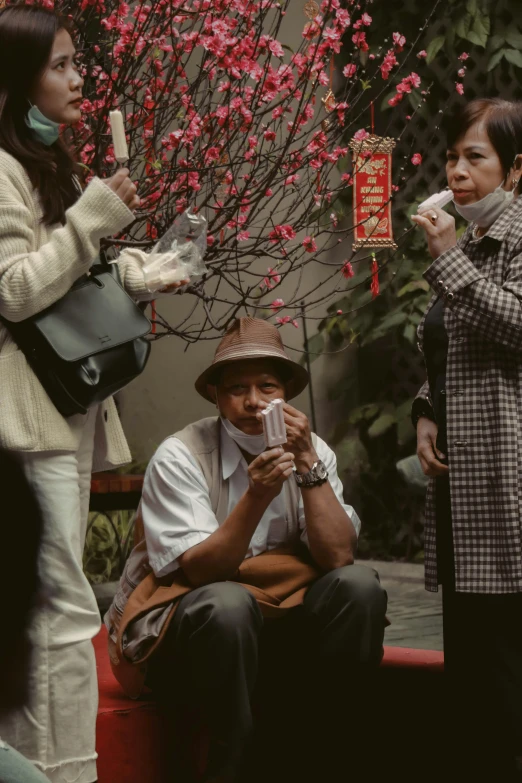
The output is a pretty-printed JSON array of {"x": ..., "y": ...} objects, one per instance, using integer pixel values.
[
  {"x": 281, "y": 370},
  {"x": 503, "y": 123},
  {"x": 27, "y": 34}
]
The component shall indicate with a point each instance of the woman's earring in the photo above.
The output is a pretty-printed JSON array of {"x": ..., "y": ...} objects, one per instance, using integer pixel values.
[{"x": 514, "y": 182}]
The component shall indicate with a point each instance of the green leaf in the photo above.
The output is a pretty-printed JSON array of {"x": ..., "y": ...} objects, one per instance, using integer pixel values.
[
  {"x": 382, "y": 425},
  {"x": 496, "y": 41},
  {"x": 365, "y": 85},
  {"x": 513, "y": 56},
  {"x": 471, "y": 7},
  {"x": 481, "y": 25},
  {"x": 384, "y": 104},
  {"x": 410, "y": 333},
  {"x": 364, "y": 413},
  {"x": 513, "y": 38},
  {"x": 495, "y": 59},
  {"x": 351, "y": 455},
  {"x": 414, "y": 285},
  {"x": 405, "y": 431},
  {"x": 475, "y": 38},
  {"x": 463, "y": 25},
  {"x": 434, "y": 47}
]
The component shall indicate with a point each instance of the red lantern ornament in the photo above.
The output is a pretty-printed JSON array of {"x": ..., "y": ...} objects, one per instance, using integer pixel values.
[{"x": 372, "y": 190}]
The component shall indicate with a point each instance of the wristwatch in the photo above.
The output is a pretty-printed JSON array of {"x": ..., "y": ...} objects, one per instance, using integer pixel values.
[
  {"x": 421, "y": 408},
  {"x": 316, "y": 476}
]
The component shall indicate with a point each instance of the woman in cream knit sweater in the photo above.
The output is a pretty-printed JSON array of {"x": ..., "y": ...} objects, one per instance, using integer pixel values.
[{"x": 49, "y": 237}]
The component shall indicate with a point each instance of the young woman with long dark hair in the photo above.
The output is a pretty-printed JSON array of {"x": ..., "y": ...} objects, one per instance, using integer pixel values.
[{"x": 50, "y": 234}]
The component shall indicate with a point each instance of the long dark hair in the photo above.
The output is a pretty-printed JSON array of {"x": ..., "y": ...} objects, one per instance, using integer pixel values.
[
  {"x": 27, "y": 35},
  {"x": 502, "y": 120}
]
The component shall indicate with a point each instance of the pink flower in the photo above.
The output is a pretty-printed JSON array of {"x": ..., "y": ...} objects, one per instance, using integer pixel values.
[
  {"x": 309, "y": 244},
  {"x": 243, "y": 236},
  {"x": 464, "y": 56},
  {"x": 339, "y": 312},
  {"x": 460, "y": 88},
  {"x": 287, "y": 319},
  {"x": 347, "y": 270},
  {"x": 399, "y": 41},
  {"x": 349, "y": 70},
  {"x": 359, "y": 39},
  {"x": 422, "y": 54},
  {"x": 282, "y": 232},
  {"x": 276, "y": 49},
  {"x": 269, "y": 192},
  {"x": 366, "y": 19},
  {"x": 271, "y": 279},
  {"x": 361, "y": 135},
  {"x": 461, "y": 73},
  {"x": 389, "y": 62},
  {"x": 343, "y": 17},
  {"x": 417, "y": 159},
  {"x": 269, "y": 135},
  {"x": 277, "y": 304}
]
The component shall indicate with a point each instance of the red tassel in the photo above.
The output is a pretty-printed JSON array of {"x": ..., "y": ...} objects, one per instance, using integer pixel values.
[{"x": 374, "y": 287}]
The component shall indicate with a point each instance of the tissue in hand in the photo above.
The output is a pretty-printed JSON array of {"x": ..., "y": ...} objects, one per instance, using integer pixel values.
[{"x": 164, "y": 269}]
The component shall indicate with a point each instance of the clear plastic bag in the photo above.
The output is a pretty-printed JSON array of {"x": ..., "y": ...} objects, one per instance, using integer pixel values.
[
  {"x": 179, "y": 253},
  {"x": 188, "y": 237},
  {"x": 162, "y": 270}
]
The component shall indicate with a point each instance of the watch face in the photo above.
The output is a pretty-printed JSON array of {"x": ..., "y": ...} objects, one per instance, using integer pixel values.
[{"x": 321, "y": 471}]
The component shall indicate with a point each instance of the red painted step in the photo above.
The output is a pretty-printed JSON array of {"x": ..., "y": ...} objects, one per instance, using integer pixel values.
[{"x": 131, "y": 737}]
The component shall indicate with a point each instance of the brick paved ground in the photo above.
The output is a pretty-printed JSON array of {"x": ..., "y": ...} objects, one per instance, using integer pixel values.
[{"x": 415, "y": 614}]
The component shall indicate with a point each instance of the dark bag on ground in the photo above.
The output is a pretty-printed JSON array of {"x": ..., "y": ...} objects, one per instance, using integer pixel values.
[{"x": 88, "y": 345}]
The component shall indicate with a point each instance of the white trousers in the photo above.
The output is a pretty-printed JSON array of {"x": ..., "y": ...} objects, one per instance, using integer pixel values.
[{"x": 56, "y": 729}]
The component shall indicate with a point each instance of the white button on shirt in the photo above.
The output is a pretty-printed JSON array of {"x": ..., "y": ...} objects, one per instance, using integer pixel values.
[{"x": 176, "y": 508}]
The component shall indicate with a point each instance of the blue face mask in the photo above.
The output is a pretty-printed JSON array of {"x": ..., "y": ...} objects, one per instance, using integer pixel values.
[{"x": 44, "y": 129}]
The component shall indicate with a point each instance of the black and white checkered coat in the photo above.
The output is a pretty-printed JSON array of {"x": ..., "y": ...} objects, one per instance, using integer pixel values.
[{"x": 481, "y": 283}]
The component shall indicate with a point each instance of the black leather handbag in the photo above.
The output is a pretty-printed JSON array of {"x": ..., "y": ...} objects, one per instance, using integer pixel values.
[{"x": 89, "y": 344}]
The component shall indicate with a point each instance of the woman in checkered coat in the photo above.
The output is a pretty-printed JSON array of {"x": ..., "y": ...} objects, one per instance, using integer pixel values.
[{"x": 468, "y": 416}]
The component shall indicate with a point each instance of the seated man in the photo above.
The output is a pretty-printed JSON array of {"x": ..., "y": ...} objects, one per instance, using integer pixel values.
[{"x": 218, "y": 508}]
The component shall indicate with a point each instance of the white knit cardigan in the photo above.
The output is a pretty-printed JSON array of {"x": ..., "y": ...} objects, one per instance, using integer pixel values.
[{"x": 38, "y": 265}]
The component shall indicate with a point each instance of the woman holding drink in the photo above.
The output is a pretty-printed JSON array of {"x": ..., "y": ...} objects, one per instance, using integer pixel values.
[
  {"x": 469, "y": 432},
  {"x": 50, "y": 234}
]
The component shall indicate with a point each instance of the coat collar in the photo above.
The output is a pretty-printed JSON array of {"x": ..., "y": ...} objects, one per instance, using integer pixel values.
[{"x": 499, "y": 228}]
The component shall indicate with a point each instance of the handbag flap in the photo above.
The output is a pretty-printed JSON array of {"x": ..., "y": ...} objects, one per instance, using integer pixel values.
[{"x": 95, "y": 315}]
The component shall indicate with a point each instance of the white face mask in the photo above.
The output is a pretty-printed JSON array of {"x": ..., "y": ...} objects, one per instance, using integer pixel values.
[
  {"x": 488, "y": 209},
  {"x": 252, "y": 444}
]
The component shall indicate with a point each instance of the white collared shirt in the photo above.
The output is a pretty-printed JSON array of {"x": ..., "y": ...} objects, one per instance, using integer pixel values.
[{"x": 176, "y": 508}]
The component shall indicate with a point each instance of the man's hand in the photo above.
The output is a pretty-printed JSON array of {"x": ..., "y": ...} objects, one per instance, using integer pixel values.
[
  {"x": 298, "y": 437},
  {"x": 268, "y": 472},
  {"x": 439, "y": 228},
  {"x": 427, "y": 451}
]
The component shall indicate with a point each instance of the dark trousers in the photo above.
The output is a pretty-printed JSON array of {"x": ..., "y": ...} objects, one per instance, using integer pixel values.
[
  {"x": 483, "y": 666},
  {"x": 314, "y": 666}
]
